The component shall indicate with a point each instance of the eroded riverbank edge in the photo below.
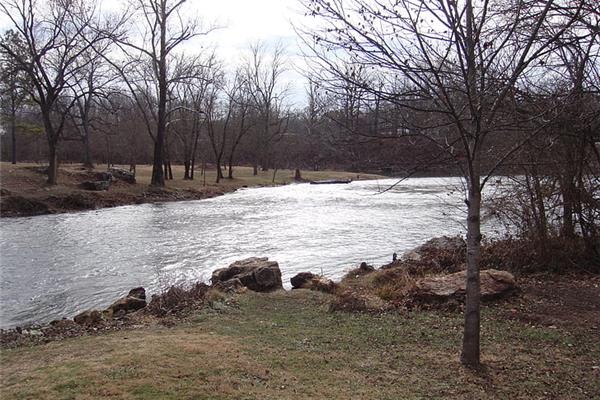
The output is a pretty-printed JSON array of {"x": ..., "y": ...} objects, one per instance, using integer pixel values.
[
  {"x": 427, "y": 277},
  {"x": 24, "y": 192}
]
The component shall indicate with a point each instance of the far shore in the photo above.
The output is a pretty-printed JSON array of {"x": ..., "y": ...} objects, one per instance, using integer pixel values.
[{"x": 24, "y": 191}]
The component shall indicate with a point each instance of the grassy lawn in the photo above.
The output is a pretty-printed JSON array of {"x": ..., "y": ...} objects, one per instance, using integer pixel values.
[{"x": 288, "y": 346}]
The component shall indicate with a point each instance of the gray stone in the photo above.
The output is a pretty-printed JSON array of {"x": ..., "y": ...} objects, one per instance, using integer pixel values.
[
  {"x": 257, "y": 274},
  {"x": 123, "y": 175}
]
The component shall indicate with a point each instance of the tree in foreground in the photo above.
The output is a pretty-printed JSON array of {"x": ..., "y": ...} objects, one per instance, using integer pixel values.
[{"x": 456, "y": 66}]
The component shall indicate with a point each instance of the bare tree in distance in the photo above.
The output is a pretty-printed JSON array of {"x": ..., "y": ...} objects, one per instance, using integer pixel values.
[
  {"x": 463, "y": 62},
  {"x": 14, "y": 86},
  {"x": 264, "y": 70},
  {"x": 95, "y": 81},
  {"x": 240, "y": 100},
  {"x": 55, "y": 34},
  {"x": 188, "y": 114},
  {"x": 158, "y": 29}
]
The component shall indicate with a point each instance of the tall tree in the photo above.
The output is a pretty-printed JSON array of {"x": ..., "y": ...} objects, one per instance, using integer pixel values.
[
  {"x": 54, "y": 35},
  {"x": 159, "y": 28},
  {"x": 14, "y": 86},
  {"x": 462, "y": 61},
  {"x": 264, "y": 72}
]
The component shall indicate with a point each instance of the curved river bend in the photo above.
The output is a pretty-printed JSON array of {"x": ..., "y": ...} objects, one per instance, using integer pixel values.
[{"x": 57, "y": 265}]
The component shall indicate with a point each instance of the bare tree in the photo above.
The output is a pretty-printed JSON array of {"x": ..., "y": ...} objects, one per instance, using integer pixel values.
[
  {"x": 187, "y": 106},
  {"x": 264, "y": 74},
  {"x": 463, "y": 62},
  {"x": 240, "y": 102},
  {"x": 54, "y": 35},
  {"x": 93, "y": 83},
  {"x": 14, "y": 87},
  {"x": 159, "y": 29}
]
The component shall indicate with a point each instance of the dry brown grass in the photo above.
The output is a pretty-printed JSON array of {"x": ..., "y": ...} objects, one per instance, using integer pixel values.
[
  {"x": 25, "y": 191},
  {"x": 288, "y": 346}
]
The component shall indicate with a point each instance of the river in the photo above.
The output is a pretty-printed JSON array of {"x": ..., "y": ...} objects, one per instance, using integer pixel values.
[{"x": 54, "y": 266}]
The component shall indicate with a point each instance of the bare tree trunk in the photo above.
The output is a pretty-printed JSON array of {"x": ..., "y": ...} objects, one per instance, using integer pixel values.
[
  {"x": 186, "y": 172},
  {"x": 470, "y": 349},
  {"x": 219, "y": 170},
  {"x": 87, "y": 155},
  {"x": 230, "y": 173},
  {"x": 13, "y": 135},
  {"x": 274, "y": 174},
  {"x": 52, "y": 163},
  {"x": 192, "y": 166},
  {"x": 255, "y": 169},
  {"x": 158, "y": 178}
]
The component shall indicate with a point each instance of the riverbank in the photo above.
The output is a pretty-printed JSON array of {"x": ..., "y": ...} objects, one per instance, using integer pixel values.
[
  {"x": 542, "y": 343},
  {"x": 24, "y": 191}
]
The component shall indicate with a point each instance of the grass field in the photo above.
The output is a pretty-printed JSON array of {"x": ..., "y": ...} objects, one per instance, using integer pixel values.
[{"x": 289, "y": 346}]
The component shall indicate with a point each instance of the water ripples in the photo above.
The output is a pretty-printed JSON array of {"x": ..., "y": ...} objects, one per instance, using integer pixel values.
[{"x": 57, "y": 265}]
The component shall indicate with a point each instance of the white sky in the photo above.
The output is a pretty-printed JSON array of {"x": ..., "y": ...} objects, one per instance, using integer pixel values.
[
  {"x": 245, "y": 22},
  {"x": 248, "y": 21}
]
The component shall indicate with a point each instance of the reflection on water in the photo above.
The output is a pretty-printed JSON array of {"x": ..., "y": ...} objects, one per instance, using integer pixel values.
[{"x": 56, "y": 265}]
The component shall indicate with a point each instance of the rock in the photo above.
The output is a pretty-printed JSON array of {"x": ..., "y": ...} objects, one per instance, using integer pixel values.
[
  {"x": 308, "y": 280},
  {"x": 300, "y": 280},
  {"x": 123, "y": 175},
  {"x": 95, "y": 185},
  {"x": 135, "y": 300},
  {"x": 88, "y": 317},
  {"x": 364, "y": 267},
  {"x": 104, "y": 176},
  {"x": 494, "y": 284},
  {"x": 138, "y": 292},
  {"x": 258, "y": 274},
  {"x": 230, "y": 286},
  {"x": 442, "y": 243},
  {"x": 322, "y": 284}
]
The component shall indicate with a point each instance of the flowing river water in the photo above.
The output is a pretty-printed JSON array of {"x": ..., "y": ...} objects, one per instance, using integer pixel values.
[{"x": 54, "y": 266}]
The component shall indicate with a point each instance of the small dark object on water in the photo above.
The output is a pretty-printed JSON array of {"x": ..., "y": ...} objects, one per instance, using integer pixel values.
[
  {"x": 394, "y": 257},
  {"x": 330, "y": 181}
]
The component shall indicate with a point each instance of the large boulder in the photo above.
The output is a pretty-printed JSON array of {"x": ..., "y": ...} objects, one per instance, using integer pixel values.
[
  {"x": 135, "y": 300},
  {"x": 123, "y": 175},
  {"x": 256, "y": 273},
  {"x": 493, "y": 284},
  {"x": 308, "y": 280}
]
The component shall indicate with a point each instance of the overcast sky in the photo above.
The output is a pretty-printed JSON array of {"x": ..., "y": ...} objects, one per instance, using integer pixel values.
[
  {"x": 249, "y": 21},
  {"x": 245, "y": 22}
]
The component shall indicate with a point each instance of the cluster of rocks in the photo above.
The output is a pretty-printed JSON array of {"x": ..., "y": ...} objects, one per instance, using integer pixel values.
[
  {"x": 103, "y": 180},
  {"x": 308, "y": 280},
  {"x": 255, "y": 273},
  {"x": 135, "y": 300},
  {"x": 261, "y": 275}
]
